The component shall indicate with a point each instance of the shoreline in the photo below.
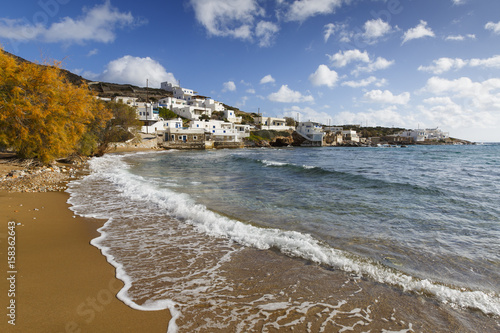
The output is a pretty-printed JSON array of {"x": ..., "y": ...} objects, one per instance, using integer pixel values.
[{"x": 59, "y": 281}]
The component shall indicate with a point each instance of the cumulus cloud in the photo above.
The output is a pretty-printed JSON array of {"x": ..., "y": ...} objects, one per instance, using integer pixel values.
[
  {"x": 98, "y": 24},
  {"x": 135, "y": 71},
  {"x": 307, "y": 114},
  {"x": 375, "y": 29},
  {"x": 300, "y": 10},
  {"x": 233, "y": 18},
  {"x": 287, "y": 95},
  {"x": 267, "y": 79},
  {"x": 443, "y": 65},
  {"x": 329, "y": 29},
  {"x": 324, "y": 77},
  {"x": 460, "y": 37},
  {"x": 495, "y": 27},
  {"x": 450, "y": 114},
  {"x": 379, "y": 64},
  {"x": 482, "y": 95},
  {"x": 463, "y": 103},
  {"x": 365, "y": 82},
  {"x": 343, "y": 58},
  {"x": 420, "y": 31},
  {"x": 266, "y": 32},
  {"x": 229, "y": 86},
  {"x": 493, "y": 62},
  {"x": 92, "y": 52},
  {"x": 388, "y": 116},
  {"x": 386, "y": 97}
]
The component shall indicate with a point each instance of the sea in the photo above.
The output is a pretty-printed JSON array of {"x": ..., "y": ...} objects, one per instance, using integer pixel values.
[{"x": 326, "y": 239}]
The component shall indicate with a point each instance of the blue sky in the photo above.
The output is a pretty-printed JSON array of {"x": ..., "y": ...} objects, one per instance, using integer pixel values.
[{"x": 404, "y": 63}]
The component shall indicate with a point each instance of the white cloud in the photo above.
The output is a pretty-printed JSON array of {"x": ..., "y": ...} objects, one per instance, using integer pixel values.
[
  {"x": 266, "y": 32},
  {"x": 286, "y": 95},
  {"x": 20, "y": 30},
  {"x": 420, "y": 31},
  {"x": 92, "y": 52},
  {"x": 135, "y": 71},
  {"x": 365, "y": 82},
  {"x": 342, "y": 58},
  {"x": 449, "y": 114},
  {"x": 482, "y": 95},
  {"x": 460, "y": 37},
  {"x": 234, "y": 18},
  {"x": 458, "y": 2},
  {"x": 229, "y": 86},
  {"x": 300, "y": 10},
  {"x": 470, "y": 108},
  {"x": 465, "y": 104},
  {"x": 379, "y": 64},
  {"x": 388, "y": 117},
  {"x": 250, "y": 91},
  {"x": 324, "y": 77},
  {"x": 493, "y": 62},
  {"x": 329, "y": 29},
  {"x": 375, "y": 29},
  {"x": 267, "y": 79},
  {"x": 442, "y": 65},
  {"x": 495, "y": 27},
  {"x": 98, "y": 24},
  {"x": 386, "y": 97},
  {"x": 307, "y": 114}
]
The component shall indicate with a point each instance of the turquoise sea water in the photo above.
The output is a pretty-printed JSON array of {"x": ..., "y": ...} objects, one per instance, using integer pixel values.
[{"x": 422, "y": 220}]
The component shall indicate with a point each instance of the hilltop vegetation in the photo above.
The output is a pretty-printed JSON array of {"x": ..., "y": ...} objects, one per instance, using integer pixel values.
[{"x": 44, "y": 116}]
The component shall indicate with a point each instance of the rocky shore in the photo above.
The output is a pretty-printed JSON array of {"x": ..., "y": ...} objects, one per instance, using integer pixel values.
[{"x": 25, "y": 176}]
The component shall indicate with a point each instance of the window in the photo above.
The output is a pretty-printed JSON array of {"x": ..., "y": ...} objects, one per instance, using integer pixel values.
[
  {"x": 173, "y": 137},
  {"x": 195, "y": 137}
]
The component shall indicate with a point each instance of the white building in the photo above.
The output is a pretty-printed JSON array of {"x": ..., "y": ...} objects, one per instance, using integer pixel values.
[
  {"x": 270, "y": 123},
  {"x": 230, "y": 115},
  {"x": 311, "y": 131},
  {"x": 222, "y": 131},
  {"x": 172, "y": 123},
  {"x": 350, "y": 135},
  {"x": 420, "y": 135},
  {"x": 186, "y": 103}
]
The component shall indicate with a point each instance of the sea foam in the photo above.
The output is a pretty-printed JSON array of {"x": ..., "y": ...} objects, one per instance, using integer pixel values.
[{"x": 113, "y": 168}]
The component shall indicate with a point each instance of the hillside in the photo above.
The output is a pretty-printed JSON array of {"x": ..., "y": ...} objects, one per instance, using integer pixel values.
[{"x": 109, "y": 90}]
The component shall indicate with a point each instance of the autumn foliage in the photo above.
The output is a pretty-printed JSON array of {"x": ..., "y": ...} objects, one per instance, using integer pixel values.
[{"x": 43, "y": 116}]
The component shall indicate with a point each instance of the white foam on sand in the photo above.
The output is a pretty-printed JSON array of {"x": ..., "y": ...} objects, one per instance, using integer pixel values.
[{"x": 137, "y": 189}]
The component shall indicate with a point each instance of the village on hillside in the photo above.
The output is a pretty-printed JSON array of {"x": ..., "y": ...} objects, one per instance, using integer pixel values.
[{"x": 199, "y": 122}]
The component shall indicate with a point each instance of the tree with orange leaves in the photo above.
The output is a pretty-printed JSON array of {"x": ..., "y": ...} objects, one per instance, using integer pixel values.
[{"x": 43, "y": 116}]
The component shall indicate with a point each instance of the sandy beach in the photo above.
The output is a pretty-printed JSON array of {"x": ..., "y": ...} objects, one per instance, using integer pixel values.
[{"x": 58, "y": 281}]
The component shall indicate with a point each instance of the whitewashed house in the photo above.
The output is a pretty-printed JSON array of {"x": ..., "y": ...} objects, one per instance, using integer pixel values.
[
  {"x": 221, "y": 131},
  {"x": 230, "y": 115},
  {"x": 311, "y": 131},
  {"x": 420, "y": 135},
  {"x": 350, "y": 135},
  {"x": 186, "y": 103},
  {"x": 270, "y": 123}
]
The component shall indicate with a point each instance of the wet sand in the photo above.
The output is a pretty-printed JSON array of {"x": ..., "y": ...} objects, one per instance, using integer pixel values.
[{"x": 62, "y": 283}]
